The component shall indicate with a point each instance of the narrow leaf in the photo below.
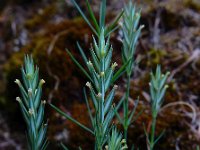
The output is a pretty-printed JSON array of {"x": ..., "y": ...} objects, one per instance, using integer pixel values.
[
  {"x": 64, "y": 147},
  {"x": 102, "y": 14},
  {"x": 84, "y": 17},
  {"x": 77, "y": 63},
  {"x": 71, "y": 119},
  {"x": 93, "y": 17},
  {"x": 109, "y": 100},
  {"x": 113, "y": 24},
  {"x": 133, "y": 111},
  {"x": 119, "y": 118},
  {"x": 120, "y": 71},
  {"x": 37, "y": 98},
  {"x": 82, "y": 53},
  {"x": 158, "y": 138},
  {"x": 88, "y": 106}
]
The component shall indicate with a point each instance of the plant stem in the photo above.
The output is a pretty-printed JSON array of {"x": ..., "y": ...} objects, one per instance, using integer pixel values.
[
  {"x": 126, "y": 107},
  {"x": 153, "y": 128},
  {"x": 125, "y": 133}
]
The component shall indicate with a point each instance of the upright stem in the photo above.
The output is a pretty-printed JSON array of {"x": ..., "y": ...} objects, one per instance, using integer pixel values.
[
  {"x": 126, "y": 107},
  {"x": 99, "y": 147},
  {"x": 153, "y": 128},
  {"x": 100, "y": 115}
]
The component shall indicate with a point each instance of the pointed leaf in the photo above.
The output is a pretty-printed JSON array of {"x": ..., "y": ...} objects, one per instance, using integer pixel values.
[
  {"x": 133, "y": 112},
  {"x": 158, "y": 138},
  {"x": 119, "y": 118},
  {"x": 108, "y": 79},
  {"x": 84, "y": 17},
  {"x": 120, "y": 71},
  {"x": 88, "y": 106},
  {"x": 64, "y": 147},
  {"x": 40, "y": 115},
  {"x": 95, "y": 60},
  {"x": 71, "y": 119},
  {"x": 93, "y": 17},
  {"x": 113, "y": 24},
  {"x": 102, "y": 14},
  {"x": 82, "y": 53},
  {"x": 109, "y": 101},
  {"x": 37, "y": 99},
  {"x": 44, "y": 146},
  {"x": 41, "y": 135},
  {"x": 77, "y": 63}
]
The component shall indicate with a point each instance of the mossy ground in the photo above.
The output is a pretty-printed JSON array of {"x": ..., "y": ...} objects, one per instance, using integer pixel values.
[{"x": 173, "y": 43}]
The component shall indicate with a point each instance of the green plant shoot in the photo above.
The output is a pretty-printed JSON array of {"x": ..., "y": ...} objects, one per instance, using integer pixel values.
[{"x": 31, "y": 105}]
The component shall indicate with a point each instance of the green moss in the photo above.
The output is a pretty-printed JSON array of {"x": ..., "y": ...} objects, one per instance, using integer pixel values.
[{"x": 40, "y": 19}]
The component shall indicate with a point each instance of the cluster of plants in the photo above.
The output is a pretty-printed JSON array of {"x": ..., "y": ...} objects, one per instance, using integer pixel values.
[{"x": 99, "y": 95}]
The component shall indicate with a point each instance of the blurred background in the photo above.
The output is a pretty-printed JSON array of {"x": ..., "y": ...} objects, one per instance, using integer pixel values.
[{"x": 45, "y": 28}]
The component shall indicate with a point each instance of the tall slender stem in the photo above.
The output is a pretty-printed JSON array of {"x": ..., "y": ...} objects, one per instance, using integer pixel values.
[
  {"x": 153, "y": 128},
  {"x": 126, "y": 107},
  {"x": 131, "y": 32}
]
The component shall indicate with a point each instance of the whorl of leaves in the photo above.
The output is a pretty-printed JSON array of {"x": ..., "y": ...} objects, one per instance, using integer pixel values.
[
  {"x": 31, "y": 105},
  {"x": 131, "y": 32}
]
